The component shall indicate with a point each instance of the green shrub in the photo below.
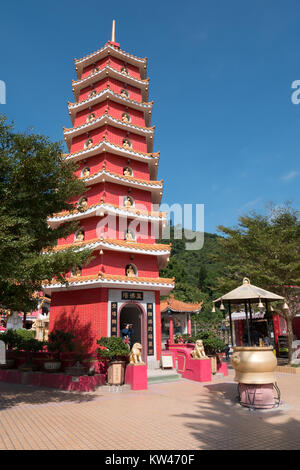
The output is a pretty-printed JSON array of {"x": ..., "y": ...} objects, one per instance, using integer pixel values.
[{"x": 112, "y": 348}]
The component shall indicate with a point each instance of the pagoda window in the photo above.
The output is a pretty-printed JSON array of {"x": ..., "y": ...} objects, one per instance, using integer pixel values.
[
  {"x": 124, "y": 93},
  {"x": 91, "y": 117},
  {"x": 131, "y": 270},
  {"x": 82, "y": 203},
  {"x": 128, "y": 201},
  {"x": 129, "y": 236},
  {"x": 85, "y": 172},
  {"x": 79, "y": 236},
  {"x": 92, "y": 93},
  {"x": 88, "y": 143},
  {"x": 126, "y": 144},
  {"x": 124, "y": 69},
  {"x": 126, "y": 118},
  {"x": 76, "y": 272},
  {"x": 127, "y": 171}
]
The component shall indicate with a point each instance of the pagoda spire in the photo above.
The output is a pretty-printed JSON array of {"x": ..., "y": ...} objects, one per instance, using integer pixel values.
[{"x": 113, "y": 31}]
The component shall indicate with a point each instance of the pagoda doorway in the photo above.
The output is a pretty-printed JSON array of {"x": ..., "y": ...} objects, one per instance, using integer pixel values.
[{"x": 132, "y": 314}]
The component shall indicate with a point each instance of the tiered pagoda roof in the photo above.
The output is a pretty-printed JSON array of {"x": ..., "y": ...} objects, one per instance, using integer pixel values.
[{"x": 106, "y": 63}]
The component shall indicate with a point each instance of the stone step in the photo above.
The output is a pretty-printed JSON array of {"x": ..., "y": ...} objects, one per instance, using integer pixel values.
[{"x": 160, "y": 376}]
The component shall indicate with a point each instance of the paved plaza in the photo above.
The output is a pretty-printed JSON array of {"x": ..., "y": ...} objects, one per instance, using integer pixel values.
[{"x": 168, "y": 416}]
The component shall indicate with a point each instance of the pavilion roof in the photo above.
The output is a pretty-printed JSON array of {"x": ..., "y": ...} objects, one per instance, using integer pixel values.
[
  {"x": 179, "y": 306},
  {"x": 248, "y": 292}
]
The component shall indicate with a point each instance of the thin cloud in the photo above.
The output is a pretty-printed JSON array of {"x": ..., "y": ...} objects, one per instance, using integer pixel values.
[{"x": 291, "y": 175}]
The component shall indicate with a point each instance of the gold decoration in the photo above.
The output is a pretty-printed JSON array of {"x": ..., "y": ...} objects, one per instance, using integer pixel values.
[
  {"x": 135, "y": 356},
  {"x": 198, "y": 352}
]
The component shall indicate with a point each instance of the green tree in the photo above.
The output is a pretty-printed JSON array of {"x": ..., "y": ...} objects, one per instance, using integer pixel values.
[
  {"x": 35, "y": 182},
  {"x": 265, "y": 248}
]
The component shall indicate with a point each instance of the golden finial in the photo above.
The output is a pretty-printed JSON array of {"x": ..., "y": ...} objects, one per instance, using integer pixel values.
[{"x": 113, "y": 31}]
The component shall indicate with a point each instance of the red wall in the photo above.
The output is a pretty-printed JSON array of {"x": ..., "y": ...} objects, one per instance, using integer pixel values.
[{"x": 84, "y": 312}]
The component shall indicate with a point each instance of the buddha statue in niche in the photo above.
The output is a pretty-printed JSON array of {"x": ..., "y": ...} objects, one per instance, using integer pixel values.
[
  {"x": 80, "y": 236},
  {"x": 86, "y": 172},
  {"x": 130, "y": 271},
  {"x": 124, "y": 70},
  {"x": 91, "y": 117},
  {"x": 126, "y": 144},
  {"x": 125, "y": 118},
  {"x": 128, "y": 202},
  {"x": 127, "y": 171},
  {"x": 83, "y": 203},
  {"x": 93, "y": 93},
  {"x": 129, "y": 237},
  {"x": 88, "y": 144},
  {"x": 124, "y": 94}
]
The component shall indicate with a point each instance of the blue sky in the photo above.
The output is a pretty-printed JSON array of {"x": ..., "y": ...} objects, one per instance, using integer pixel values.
[{"x": 221, "y": 75}]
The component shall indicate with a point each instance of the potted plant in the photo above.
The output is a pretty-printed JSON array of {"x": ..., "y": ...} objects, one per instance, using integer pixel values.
[
  {"x": 77, "y": 369},
  {"x": 115, "y": 352},
  {"x": 59, "y": 342},
  {"x": 30, "y": 346}
]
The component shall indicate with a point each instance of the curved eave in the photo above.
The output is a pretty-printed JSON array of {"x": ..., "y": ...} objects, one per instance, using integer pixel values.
[
  {"x": 162, "y": 254},
  {"x": 102, "y": 209},
  {"x": 146, "y": 108},
  {"x": 106, "y": 119},
  {"x": 110, "y": 281},
  {"x": 105, "y": 176},
  {"x": 105, "y": 146},
  {"x": 108, "y": 50},
  {"x": 108, "y": 71}
]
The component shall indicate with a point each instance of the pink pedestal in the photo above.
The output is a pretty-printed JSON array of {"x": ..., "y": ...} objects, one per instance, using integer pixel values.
[
  {"x": 198, "y": 370},
  {"x": 258, "y": 396},
  {"x": 136, "y": 376},
  {"x": 222, "y": 368}
]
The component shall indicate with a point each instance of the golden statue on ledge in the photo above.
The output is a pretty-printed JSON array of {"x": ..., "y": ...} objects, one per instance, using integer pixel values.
[
  {"x": 91, "y": 117},
  {"x": 130, "y": 271},
  {"x": 124, "y": 93},
  {"x": 129, "y": 237},
  {"x": 198, "y": 352},
  {"x": 83, "y": 204},
  {"x": 88, "y": 144},
  {"x": 126, "y": 144},
  {"x": 85, "y": 172},
  {"x": 128, "y": 202},
  {"x": 80, "y": 236},
  {"x": 135, "y": 356},
  {"x": 125, "y": 118},
  {"x": 126, "y": 171}
]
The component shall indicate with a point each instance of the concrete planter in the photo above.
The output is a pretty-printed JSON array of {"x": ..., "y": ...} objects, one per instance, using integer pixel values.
[{"x": 116, "y": 373}]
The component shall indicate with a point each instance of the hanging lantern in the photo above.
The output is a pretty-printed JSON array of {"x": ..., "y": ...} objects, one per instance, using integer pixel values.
[
  {"x": 260, "y": 305},
  {"x": 222, "y": 308},
  {"x": 271, "y": 309},
  {"x": 213, "y": 310}
]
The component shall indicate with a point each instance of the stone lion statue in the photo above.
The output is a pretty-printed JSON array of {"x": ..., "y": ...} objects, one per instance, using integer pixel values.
[
  {"x": 135, "y": 356},
  {"x": 198, "y": 352}
]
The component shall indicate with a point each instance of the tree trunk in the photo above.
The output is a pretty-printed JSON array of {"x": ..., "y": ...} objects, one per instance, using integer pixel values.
[{"x": 290, "y": 334}]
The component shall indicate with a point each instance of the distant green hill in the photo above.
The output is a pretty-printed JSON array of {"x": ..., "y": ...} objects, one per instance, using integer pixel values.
[{"x": 195, "y": 271}]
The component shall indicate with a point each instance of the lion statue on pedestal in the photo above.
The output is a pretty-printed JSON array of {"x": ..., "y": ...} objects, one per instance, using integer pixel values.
[
  {"x": 198, "y": 352},
  {"x": 135, "y": 356}
]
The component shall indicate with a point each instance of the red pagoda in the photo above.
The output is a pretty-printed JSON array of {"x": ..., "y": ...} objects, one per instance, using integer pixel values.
[{"x": 112, "y": 141}]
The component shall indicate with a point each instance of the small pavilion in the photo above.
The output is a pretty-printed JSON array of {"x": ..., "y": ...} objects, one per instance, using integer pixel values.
[{"x": 176, "y": 318}]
